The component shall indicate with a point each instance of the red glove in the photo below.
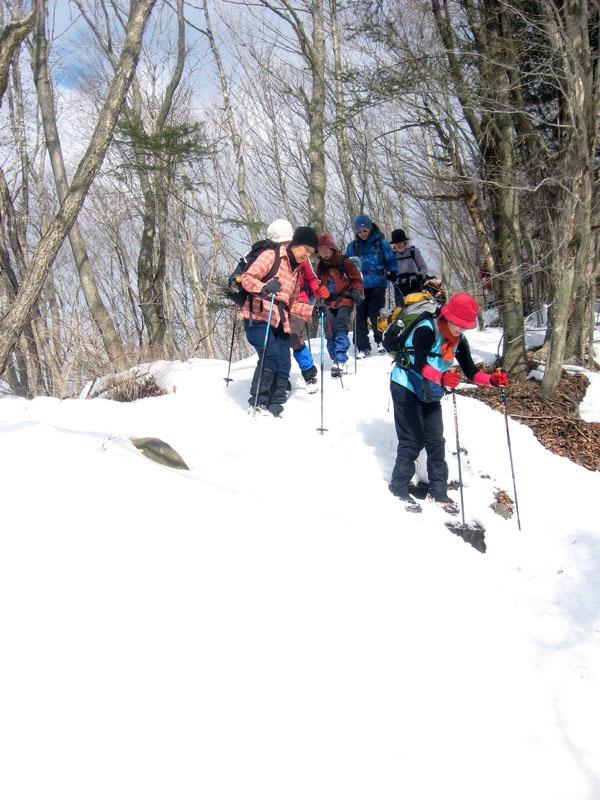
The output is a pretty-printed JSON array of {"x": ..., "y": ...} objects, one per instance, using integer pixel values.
[
  {"x": 450, "y": 380},
  {"x": 322, "y": 292},
  {"x": 499, "y": 379},
  {"x": 431, "y": 374},
  {"x": 482, "y": 379}
]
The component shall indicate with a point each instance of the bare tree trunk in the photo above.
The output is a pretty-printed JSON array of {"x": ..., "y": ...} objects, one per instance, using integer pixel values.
[
  {"x": 316, "y": 120},
  {"x": 494, "y": 135},
  {"x": 97, "y": 308},
  {"x": 567, "y": 29},
  {"x": 313, "y": 53},
  {"x": 152, "y": 260},
  {"x": 251, "y": 222},
  {"x": 345, "y": 158},
  {"x": 10, "y": 39},
  {"x": 45, "y": 252}
]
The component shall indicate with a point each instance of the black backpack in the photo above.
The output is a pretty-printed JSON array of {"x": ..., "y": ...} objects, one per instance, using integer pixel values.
[
  {"x": 403, "y": 320},
  {"x": 235, "y": 291}
]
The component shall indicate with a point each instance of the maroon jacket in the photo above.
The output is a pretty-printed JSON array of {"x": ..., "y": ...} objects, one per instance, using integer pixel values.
[{"x": 343, "y": 272}]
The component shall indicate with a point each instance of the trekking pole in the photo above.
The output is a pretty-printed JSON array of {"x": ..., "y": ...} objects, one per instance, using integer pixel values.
[
  {"x": 322, "y": 323},
  {"x": 337, "y": 363},
  {"x": 512, "y": 469},
  {"x": 335, "y": 359},
  {"x": 354, "y": 338},
  {"x": 228, "y": 379},
  {"x": 262, "y": 360},
  {"x": 460, "y": 483}
]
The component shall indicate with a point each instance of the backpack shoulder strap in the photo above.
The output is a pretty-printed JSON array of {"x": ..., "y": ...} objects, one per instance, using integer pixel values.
[
  {"x": 270, "y": 274},
  {"x": 426, "y": 315},
  {"x": 342, "y": 265}
]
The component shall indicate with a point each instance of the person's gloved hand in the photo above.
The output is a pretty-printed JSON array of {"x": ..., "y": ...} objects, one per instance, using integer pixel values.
[
  {"x": 434, "y": 282},
  {"x": 319, "y": 308},
  {"x": 322, "y": 292},
  {"x": 354, "y": 295},
  {"x": 391, "y": 276},
  {"x": 450, "y": 380},
  {"x": 434, "y": 287},
  {"x": 271, "y": 287},
  {"x": 481, "y": 379},
  {"x": 499, "y": 379}
]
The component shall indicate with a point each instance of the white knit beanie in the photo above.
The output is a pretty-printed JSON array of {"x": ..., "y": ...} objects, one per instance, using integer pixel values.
[{"x": 280, "y": 230}]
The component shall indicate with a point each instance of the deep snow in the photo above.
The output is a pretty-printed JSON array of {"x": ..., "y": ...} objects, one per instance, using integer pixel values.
[{"x": 272, "y": 623}]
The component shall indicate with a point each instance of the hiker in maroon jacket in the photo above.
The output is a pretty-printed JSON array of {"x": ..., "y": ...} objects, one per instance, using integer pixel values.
[{"x": 343, "y": 281}]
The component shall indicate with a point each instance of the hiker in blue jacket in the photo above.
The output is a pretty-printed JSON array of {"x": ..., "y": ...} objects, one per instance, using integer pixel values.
[{"x": 378, "y": 265}]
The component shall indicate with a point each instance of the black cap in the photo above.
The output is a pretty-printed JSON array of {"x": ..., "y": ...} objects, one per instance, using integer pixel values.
[
  {"x": 398, "y": 236},
  {"x": 307, "y": 236}
]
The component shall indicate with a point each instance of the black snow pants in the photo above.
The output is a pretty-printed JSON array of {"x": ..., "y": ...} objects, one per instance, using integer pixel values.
[{"x": 418, "y": 424}]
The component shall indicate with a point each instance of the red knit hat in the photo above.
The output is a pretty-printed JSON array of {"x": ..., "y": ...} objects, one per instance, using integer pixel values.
[
  {"x": 461, "y": 310},
  {"x": 325, "y": 240}
]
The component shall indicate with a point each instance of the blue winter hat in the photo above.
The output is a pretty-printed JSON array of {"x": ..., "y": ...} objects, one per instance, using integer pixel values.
[{"x": 362, "y": 221}]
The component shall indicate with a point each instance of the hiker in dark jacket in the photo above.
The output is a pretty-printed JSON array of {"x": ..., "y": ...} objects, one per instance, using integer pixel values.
[
  {"x": 270, "y": 389},
  {"x": 412, "y": 269},
  {"x": 377, "y": 265},
  {"x": 343, "y": 285},
  {"x": 417, "y": 390}
]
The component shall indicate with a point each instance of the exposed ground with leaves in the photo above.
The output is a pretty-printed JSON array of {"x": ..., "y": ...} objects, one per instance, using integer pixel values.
[{"x": 555, "y": 423}]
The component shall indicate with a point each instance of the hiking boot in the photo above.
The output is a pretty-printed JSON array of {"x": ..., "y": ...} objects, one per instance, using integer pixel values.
[
  {"x": 261, "y": 411},
  {"x": 405, "y": 497},
  {"x": 280, "y": 390},
  {"x": 380, "y": 348},
  {"x": 363, "y": 354},
  {"x": 338, "y": 370},
  {"x": 312, "y": 385},
  {"x": 267, "y": 382},
  {"x": 276, "y": 409}
]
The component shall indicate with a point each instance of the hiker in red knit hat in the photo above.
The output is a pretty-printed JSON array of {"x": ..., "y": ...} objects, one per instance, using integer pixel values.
[
  {"x": 343, "y": 286},
  {"x": 418, "y": 384}
]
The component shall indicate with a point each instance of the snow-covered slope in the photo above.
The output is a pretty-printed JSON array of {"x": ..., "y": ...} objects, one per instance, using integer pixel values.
[{"x": 271, "y": 623}]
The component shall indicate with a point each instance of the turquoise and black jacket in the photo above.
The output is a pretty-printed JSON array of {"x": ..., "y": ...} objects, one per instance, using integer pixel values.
[{"x": 424, "y": 346}]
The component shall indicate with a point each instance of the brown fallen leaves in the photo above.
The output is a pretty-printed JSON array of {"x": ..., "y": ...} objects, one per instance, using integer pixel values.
[{"x": 555, "y": 423}]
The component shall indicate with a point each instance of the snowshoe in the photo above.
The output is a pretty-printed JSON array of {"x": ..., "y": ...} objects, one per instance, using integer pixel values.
[
  {"x": 363, "y": 354},
  {"x": 312, "y": 385},
  {"x": 261, "y": 411},
  {"x": 410, "y": 504},
  {"x": 446, "y": 503}
]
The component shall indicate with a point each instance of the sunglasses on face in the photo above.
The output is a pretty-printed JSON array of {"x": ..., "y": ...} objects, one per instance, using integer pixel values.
[{"x": 363, "y": 230}]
